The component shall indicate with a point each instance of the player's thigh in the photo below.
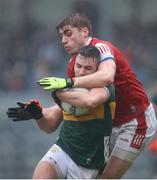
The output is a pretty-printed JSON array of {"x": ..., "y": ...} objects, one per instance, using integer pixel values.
[
  {"x": 115, "y": 168},
  {"x": 78, "y": 172},
  {"x": 122, "y": 154},
  {"x": 45, "y": 170},
  {"x": 133, "y": 137},
  {"x": 60, "y": 163},
  {"x": 128, "y": 141},
  {"x": 53, "y": 164}
]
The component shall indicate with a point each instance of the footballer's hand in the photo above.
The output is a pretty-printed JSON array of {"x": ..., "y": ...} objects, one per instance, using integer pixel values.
[
  {"x": 25, "y": 111},
  {"x": 53, "y": 83}
]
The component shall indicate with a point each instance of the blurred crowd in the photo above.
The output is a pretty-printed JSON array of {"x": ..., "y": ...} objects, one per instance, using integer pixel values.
[
  {"x": 138, "y": 41},
  {"x": 31, "y": 50},
  {"x": 27, "y": 54}
]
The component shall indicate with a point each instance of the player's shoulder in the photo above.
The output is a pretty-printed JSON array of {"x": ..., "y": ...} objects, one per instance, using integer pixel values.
[
  {"x": 96, "y": 41},
  {"x": 102, "y": 45}
]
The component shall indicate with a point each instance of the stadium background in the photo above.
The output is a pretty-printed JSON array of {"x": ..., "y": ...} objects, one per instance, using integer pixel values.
[{"x": 30, "y": 49}]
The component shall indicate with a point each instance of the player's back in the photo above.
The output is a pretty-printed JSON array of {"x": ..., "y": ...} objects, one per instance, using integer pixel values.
[{"x": 131, "y": 98}]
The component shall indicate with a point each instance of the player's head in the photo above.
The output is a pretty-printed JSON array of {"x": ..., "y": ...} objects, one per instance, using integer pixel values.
[
  {"x": 87, "y": 61},
  {"x": 74, "y": 31}
]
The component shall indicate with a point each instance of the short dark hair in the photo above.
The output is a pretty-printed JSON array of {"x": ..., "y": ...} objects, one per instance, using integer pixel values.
[
  {"x": 75, "y": 20},
  {"x": 90, "y": 51}
]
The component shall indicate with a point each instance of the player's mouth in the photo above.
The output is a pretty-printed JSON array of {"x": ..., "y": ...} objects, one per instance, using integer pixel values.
[{"x": 67, "y": 48}]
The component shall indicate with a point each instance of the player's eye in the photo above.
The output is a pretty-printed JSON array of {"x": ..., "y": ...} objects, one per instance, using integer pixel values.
[
  {"x": 88, "y": 68},
  {"x": 67, "y": 33},
  {"x": 78, "y": 65}
]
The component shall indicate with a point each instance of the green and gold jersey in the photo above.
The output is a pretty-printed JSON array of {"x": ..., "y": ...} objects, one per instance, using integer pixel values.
[{"x": 83, "y": 137}]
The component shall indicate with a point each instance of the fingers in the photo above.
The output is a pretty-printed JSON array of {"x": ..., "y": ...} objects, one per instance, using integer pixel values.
[
  {"x": 44, "y": 80},
  {"x": 12, "y": 115},
  {"x": 48, "y": 88},
  {"x": 12, "y": 112},
  {"x": 19, "y": 119},
  {"x": 21, "y": 104},
  {"x": 13, "y": 109},
  {"x": 43, "y": 83},
  {"x": 15, "y": 120}
]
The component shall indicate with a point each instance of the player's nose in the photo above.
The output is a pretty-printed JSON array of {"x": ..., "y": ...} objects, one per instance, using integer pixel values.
[
  {"x": 64, "y": 40},
  {"x": 82, "y": 72}
]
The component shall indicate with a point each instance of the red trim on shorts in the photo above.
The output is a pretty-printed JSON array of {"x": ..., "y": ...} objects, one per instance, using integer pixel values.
[{"x": 140, "y": 132}]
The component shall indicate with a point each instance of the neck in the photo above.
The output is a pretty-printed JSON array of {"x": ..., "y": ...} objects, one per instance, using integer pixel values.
[{"x": 87, "y": 41}]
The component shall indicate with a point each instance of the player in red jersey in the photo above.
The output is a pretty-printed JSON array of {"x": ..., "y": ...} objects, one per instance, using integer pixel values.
[{"x": 135, "y": 122}]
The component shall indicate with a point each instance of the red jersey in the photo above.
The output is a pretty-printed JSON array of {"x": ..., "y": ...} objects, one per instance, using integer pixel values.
[{"x": 131, "y": 99}]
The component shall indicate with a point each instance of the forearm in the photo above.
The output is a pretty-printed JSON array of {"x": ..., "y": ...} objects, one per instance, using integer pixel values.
[
  {"x": 89, "y": 99},
  {"x": 92, "y": 81},
  {"x": 101, "y": 78},
  {"x": 50, "y": 120},
  {"x": 75, "y": 98}
]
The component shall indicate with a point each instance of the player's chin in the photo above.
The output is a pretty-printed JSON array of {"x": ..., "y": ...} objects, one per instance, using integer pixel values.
[{"x": 72, "y": 51}]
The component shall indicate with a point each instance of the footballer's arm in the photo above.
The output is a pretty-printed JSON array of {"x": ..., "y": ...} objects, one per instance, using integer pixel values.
[
  {"x": 90, "y": 99},
  {"x": 51, "y": 119},
  {"x": 101, "y": 78}
]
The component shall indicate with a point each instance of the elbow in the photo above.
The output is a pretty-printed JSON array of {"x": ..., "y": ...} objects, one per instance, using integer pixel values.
[
  {"x": 109, "y": 80},
  {"x": 47, "y": 130}
]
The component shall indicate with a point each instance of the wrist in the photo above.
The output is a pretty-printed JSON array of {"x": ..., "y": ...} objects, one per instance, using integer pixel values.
[
  {"x": 69, "y": 83},
  {"x": 75, "y": 82},
  {"x": 38, "y": 117}
]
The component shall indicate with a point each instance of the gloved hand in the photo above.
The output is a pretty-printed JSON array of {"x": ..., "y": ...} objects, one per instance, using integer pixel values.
[
  {"x": 53, "y": 83},
  {"x": 25, "y": 111}
]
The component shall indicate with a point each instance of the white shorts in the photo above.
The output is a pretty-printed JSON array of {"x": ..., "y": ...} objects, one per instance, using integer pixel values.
[
  {"x": 66, "y": 167},
  {"x": 128, "y": 140}
]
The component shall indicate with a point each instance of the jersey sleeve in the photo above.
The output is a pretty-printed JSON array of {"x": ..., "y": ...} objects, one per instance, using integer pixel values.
[{"x": 105, "y": 51}]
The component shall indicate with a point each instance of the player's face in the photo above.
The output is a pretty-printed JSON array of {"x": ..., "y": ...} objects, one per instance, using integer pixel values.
[
  {"x": 84, "y": 66},
  {"x": 73, "y": 39}
]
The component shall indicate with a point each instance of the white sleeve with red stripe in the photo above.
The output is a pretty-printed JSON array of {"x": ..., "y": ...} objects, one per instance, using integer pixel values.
[{"x": 105, "y": 51}]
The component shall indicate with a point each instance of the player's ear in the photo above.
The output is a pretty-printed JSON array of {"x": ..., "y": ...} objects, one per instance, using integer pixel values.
[{"x": 85, "y": 32}]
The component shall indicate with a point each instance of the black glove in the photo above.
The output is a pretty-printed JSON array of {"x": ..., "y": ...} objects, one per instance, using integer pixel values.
[{"x": 25, "y": 111}]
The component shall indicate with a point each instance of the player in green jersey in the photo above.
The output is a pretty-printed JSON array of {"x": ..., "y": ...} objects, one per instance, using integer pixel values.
[{"x": 82, "y": 147}]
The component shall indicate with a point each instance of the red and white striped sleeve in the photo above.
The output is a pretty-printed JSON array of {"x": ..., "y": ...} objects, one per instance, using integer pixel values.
[{"x": 105, "y": 51}]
